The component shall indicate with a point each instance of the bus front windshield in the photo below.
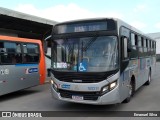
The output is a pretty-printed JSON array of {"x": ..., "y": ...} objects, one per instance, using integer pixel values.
[{"x": 87, "y": 54}]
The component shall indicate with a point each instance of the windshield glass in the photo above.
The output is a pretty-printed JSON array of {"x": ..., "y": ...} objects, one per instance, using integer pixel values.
[{"x": 88, "y": 54}]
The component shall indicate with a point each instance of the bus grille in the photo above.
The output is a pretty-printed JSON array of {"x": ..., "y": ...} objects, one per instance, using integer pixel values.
[
  {"x": 81, "y": 77},
  {"x": 86, "y": 95}
]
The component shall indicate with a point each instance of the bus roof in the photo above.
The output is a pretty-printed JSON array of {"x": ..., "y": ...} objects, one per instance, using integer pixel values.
[
  {"x": 119, "y": 22},
  {"x": 122, "y": 23},
  {"x": 19, "y": 39},
  {"x": 84, "y": 20}
]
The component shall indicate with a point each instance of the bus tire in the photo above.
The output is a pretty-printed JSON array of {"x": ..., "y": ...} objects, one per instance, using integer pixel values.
[
  {"x": 130, "y": 93},
  {"x": 149, "y": 78}
]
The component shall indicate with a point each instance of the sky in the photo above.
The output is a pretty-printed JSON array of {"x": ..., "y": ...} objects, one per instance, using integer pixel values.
[{"x": 142, "y": 14}]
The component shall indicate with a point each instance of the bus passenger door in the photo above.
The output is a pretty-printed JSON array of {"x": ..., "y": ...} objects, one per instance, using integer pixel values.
[{"x": 124, "y": 68}]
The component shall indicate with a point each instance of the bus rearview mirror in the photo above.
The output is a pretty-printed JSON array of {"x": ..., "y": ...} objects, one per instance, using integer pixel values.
[
  {"x": 45, "y": 44},
  {"x": 49, "y": 72},
  {"x": 128, "y": 49}
]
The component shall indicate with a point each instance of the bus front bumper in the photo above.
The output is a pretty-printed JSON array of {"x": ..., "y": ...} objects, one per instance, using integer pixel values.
[{"x": 112, "y": 97}]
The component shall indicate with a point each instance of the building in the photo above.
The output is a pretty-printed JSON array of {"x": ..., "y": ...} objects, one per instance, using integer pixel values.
[
  {"x": 156, "y": 36},
  {"x": 13, "y": 23},
  {"x": 18, "y": 24}
]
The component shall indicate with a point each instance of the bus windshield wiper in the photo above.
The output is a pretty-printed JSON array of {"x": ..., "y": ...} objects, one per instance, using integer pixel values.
[{"x": 89, "y": 43}]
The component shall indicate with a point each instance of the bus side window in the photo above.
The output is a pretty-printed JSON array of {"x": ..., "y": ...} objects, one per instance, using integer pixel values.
[
  {"x": 124, "y": 48},
  {"x": 30, "y": 53},
  {"x": 133, "y": 42},
  {"x": 155, "y": 47},
  {"x": 10, "y": 52}
]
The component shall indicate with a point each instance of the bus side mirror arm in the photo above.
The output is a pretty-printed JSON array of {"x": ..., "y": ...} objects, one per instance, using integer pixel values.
[{"x": 45, "y": 44}]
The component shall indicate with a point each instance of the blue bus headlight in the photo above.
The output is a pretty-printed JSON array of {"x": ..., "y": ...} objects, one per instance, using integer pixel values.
[
  {"x": 54, "y": 85},
  {"x": 108, "y": 87}
]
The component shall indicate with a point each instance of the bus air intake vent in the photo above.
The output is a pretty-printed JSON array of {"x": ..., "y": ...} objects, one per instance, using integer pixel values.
[
  {"x": 78, "y": 77},
  {"x": 86, "y": 95}
]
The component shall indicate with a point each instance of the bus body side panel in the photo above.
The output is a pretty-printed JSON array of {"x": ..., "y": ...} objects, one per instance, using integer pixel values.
[
  {"x": 20, "y": 76},
  {"x": 144, "y": 66},
  {"x": 125, "y": 78},
  {"x": 17, "y": 77},
  {"x": 123, "y": 82},
  {"x": 139, "y": 69},
  {"x": 143, "y": 71},
  {"x": 153, "y": 66}
]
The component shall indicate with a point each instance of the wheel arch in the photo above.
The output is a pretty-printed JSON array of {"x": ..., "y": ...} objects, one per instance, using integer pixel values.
[{"x": 133, "y": 80}]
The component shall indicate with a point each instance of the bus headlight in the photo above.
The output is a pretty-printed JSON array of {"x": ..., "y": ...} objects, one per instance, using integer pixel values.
[
  {"x": 105, "y": 89},
  {"x": 109, "y": 87},
  {"x": 113, "y": 85},
  {"x": 52, "y": 82},
  {"x": 54, "y": 85}
]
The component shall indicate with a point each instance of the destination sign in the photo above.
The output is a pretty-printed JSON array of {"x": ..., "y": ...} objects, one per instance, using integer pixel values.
[{"x": 82, "y": 27}]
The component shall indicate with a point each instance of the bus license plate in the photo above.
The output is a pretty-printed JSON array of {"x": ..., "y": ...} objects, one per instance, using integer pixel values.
[{"x": 77, "y": 98}]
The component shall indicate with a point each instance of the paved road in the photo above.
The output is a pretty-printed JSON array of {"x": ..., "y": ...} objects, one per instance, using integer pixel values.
[{"x": 38, "y": 98}]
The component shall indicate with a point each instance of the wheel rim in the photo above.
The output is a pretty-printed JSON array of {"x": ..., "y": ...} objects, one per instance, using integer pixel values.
[{"x": 149, "y": 78}]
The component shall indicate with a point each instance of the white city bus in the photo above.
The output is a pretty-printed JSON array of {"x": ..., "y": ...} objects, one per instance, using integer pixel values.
[{"x": 100, "y": 61}]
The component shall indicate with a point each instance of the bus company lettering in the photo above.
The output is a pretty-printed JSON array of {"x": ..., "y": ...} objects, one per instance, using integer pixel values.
[
  {"x": 93, "y": 88},
  {"x": 31, "y": 70},
  {"x": 65, "y": 86}
]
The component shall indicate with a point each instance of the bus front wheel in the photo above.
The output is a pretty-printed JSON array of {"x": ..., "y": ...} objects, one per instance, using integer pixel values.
[{"x": 130, "y": 92}]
